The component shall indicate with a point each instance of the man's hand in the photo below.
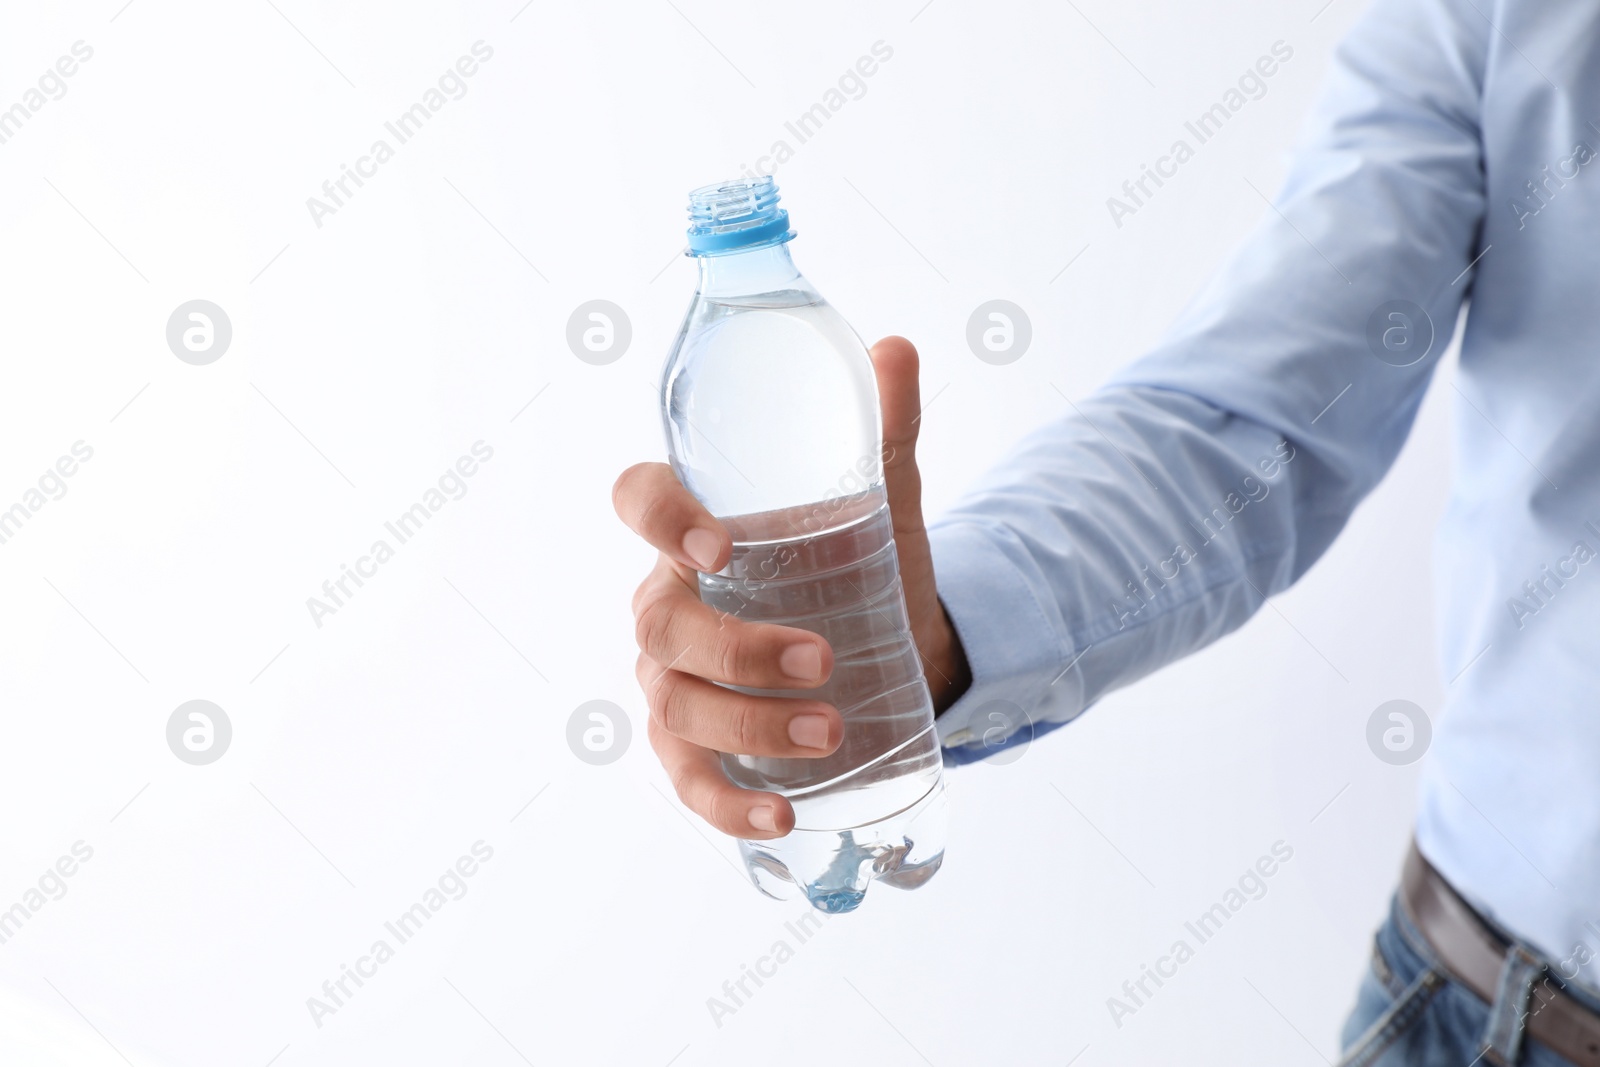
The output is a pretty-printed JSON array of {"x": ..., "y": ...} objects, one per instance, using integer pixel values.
[{"x": 685, "y": 646}]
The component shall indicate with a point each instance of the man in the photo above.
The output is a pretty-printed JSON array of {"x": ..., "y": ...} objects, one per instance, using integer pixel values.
[{"x": 1452, "y": 153}]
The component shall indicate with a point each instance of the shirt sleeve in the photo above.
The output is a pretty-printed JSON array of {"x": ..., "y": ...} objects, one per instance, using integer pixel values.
[{"x": 1214, "y": 471}]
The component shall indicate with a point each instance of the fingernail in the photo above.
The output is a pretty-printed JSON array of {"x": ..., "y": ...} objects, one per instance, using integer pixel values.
[
  {"x": 809, "y": 731},
  {"x": 701, "y": 546},
  {"x": 802, "y": 661},
  {"x": 764, "y": 819}
]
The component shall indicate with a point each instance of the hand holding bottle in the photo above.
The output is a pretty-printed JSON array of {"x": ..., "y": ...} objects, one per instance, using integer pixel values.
[{"x": 686, "y": 645}]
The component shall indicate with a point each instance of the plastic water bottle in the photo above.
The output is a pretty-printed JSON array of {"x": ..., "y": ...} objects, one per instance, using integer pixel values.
[{"x": 772, "y": 421}]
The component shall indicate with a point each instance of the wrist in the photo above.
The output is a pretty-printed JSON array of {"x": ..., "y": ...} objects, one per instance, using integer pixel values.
[{"x": 948, "y": 673}]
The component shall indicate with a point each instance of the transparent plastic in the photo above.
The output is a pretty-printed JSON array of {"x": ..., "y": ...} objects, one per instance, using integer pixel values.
[{"x": 772, "y": 422}]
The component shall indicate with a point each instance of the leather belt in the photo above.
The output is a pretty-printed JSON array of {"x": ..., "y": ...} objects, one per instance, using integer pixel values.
[{"x": 1473, "y": 954}]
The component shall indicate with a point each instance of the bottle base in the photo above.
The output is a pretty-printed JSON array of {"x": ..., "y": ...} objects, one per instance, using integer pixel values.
[{"x": 832, "y": 869}]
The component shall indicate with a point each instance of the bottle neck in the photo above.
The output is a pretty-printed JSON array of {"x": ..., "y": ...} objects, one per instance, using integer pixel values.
[{"x": 760, "y": 270}]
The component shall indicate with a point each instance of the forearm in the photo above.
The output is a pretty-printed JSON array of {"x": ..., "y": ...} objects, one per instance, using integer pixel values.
[
  {"x": 1086, "y": 558},
  {"x": 1111, "y": 543}
]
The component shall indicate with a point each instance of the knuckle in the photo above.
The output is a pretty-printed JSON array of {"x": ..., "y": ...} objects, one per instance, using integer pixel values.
[
  {"x": 670, "y": 703},
  {"x": 682, "y": 780},
  {"x": 729, "y": 655},
  {"x": 652, "y": 515},
  {"x": 642, "y": 593},
  {"x": 622, "y": 488},
  {"x": 654, "y": 733},
  {"x": 653, "y": 624},
  {"x": 745, "y": 729},
  {"x": 657, "y": 698},
  {"x": 724, "y": 812}
]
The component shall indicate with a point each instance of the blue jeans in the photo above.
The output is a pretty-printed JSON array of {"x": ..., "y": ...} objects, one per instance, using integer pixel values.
[{"x": 1410, "y": 1012}]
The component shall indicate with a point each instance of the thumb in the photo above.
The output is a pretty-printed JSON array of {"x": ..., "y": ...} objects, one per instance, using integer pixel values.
[{"x": 894, "y": 361}]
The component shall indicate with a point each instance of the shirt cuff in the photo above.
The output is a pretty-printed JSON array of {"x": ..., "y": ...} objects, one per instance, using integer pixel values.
[{"x": 1020, "y": 682}]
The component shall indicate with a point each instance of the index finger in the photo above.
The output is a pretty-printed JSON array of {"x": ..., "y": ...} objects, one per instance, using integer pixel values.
[{"x": 655, "y": 505}]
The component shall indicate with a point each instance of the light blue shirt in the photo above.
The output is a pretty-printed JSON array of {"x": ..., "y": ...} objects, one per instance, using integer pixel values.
[{"x": 1448, "y": 158}]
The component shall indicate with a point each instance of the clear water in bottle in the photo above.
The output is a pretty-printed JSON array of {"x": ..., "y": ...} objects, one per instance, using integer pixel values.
[{"x": 772, "y": 421}]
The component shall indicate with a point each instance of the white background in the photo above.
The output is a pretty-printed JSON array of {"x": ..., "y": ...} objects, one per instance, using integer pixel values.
[{"x": 368, "y": 354}]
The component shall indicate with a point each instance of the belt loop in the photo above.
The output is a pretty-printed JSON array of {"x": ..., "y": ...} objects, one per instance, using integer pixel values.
[{"x": 1502, "y": 1039}]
